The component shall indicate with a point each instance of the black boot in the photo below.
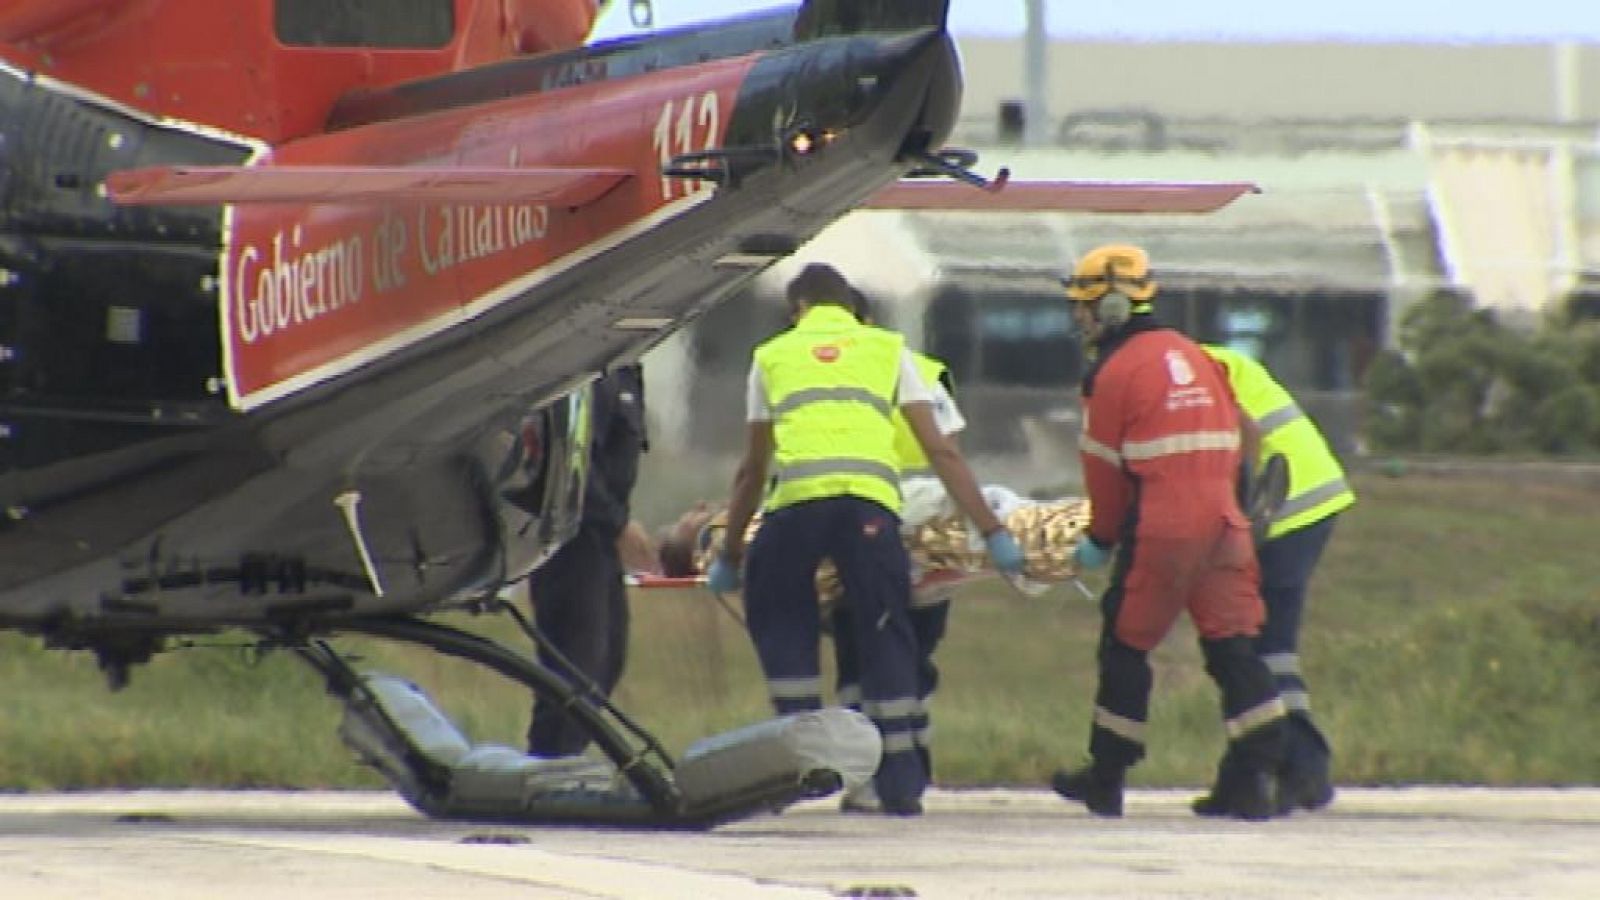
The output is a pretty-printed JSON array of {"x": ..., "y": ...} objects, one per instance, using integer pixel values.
[
  {"x": 1247, "y": 781},
  {"x": 1303, "y": 779},
  {"x": 1241, "y": 792},
  {"x": 1099, "y": 789}
]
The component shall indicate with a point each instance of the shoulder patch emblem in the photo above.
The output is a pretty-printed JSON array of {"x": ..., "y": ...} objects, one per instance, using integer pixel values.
[{"x": 1178, "y": 368}]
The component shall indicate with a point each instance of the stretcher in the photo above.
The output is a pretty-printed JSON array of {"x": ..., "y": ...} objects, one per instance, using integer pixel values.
[{"x": 945, "y": 549}]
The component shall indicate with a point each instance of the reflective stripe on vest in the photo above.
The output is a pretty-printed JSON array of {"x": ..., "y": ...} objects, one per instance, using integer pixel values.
[
  {"x": 830, "y": 383},
  {"x": 832, "y": 395},
  {"x": 913, "y": 461},
  {"x": 816, "y": 468},
  {"x": 1317, "y": 485}
]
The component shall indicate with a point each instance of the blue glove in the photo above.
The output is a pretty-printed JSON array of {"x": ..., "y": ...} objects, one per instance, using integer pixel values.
[
  {"x": 723, "y": 577},
  {"x": 1089, "y": 555},
  {"x": 1004, "y": 552}
]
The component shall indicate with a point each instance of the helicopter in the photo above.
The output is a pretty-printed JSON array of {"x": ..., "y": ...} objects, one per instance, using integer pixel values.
[{"x": 299, "y": 300}]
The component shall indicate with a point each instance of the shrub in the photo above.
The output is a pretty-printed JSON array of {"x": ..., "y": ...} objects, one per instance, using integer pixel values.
[
  {"x": 1462, "y": 382},
  {"x": 1567, "y": 420},
  {"x": 1393, "y": 407}
]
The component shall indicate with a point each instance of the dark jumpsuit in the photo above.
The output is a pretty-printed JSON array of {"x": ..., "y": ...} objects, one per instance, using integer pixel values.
[{"x": 579, "y": 595}]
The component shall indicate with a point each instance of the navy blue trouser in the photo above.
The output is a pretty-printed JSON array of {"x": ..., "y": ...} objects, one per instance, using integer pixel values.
[
  {"x": 1287, "y": 563},
  {"x": 928, "y": 622},
  {"x": 863, "y": 540},
  {"x": 580, "y": 602}
]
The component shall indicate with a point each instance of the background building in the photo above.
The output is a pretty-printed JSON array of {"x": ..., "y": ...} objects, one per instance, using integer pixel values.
[{"x": 1388, "y": 171}]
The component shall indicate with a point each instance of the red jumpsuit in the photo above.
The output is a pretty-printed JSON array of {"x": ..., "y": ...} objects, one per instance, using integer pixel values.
[{"x": 1160, "y": 454}]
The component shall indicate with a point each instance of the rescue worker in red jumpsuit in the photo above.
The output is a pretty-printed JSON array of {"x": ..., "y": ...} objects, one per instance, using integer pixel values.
[
  {"x": 1161, "y": 449},
  {"x": 820, "y": 404}
]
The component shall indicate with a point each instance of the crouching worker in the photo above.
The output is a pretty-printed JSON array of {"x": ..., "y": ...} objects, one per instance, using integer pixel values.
[
  {"x": 819, "y": 405},
  {"x": 1160, "y": 449}
]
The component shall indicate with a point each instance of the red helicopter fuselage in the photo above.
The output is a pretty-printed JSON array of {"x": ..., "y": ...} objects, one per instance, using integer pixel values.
[
  {"x": 272, "y": 69},
  {"x": 308, "y": 369}
]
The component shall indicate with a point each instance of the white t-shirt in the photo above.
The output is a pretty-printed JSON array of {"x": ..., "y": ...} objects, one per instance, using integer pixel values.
[
  {"x": 946, "y": 414},
  {"x": 910, "y": 388},
  {"x": 925, "y": 499}
]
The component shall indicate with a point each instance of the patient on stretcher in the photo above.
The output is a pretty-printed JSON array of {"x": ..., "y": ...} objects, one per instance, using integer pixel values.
[{"x": 944, "y": 547}]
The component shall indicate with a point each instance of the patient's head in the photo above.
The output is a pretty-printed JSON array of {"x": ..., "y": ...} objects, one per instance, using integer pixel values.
[{"x": 680, "y": 543}]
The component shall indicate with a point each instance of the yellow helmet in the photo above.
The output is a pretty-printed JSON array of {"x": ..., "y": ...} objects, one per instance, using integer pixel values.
[{"x": 1123, "y": 266}]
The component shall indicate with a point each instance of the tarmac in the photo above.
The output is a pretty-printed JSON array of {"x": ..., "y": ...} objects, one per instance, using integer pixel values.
[{"x": 1372, "y": 843}]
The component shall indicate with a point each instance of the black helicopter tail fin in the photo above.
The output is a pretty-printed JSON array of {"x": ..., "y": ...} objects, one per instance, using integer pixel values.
[{"x": 824, "y": 18}]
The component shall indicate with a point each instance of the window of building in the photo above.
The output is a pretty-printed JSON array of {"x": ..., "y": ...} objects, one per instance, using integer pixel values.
[
  {"x": 1246, "y": 330},
  {"x": 365, "y": 23},
  {"x": 1001, "y": 336},
  {"x": 1311, "y": 340},
  {"x": 1584, "y": 303}
]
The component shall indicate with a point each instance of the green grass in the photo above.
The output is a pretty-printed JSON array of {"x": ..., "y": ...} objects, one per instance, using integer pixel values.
[{"x": 1453, "y": 636}]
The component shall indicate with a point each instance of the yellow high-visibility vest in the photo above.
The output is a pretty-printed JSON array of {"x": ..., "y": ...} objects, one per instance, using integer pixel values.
[
  {"x": 1317, "y": 484},
  {"x": 914, "y": 462},
  {"x": 830, "y": 383}
]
